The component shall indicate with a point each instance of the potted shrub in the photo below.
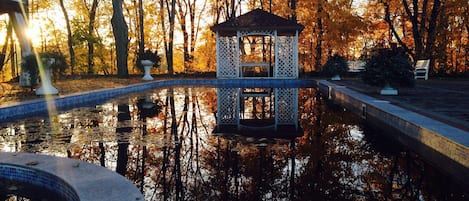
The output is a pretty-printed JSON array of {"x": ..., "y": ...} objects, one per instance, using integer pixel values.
[
  {"x": 388, "y": 68},
  {"x": 147, "y": 60},
  {"x": 29, "y": 64},
  {"x": 57, "y": 68},
  {"x": 335, "y": 67}
]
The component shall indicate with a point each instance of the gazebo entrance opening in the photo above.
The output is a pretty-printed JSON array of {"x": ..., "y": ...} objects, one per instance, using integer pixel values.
[{"x": 256, "y": 54}]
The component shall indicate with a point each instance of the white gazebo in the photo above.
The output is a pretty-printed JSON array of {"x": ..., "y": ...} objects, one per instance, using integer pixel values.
[{"x": 257, "y": 44}]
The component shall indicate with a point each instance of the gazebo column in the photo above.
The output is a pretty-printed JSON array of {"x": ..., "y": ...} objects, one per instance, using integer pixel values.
[
  {"x": 276, "y": 55},
  {"x": 237, "y": 61},
  {"x": 295, "y": 55},
  {"x": 218, "y": 54}
]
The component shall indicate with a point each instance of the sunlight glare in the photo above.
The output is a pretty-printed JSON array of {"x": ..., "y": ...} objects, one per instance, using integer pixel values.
[{"x": 34, "y": 35}]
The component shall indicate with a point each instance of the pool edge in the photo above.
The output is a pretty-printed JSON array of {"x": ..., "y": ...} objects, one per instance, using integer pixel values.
[{"x": 79, "y": 175}]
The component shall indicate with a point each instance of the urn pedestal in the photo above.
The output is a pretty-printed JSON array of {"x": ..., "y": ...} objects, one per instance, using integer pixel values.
[
  {"x": 147, "y": 64},
  {"x": 46, "y": 84},
  {"x": 388, "y": 90}
]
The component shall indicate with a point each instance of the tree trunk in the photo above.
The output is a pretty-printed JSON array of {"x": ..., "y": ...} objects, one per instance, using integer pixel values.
[
  {"x": 163, "y": 28},
  {"x": 169, "y": 42},
  {"x": 121, "y": 34},
  {"x": 141, "y": 43},
  {"x": 319, "y": 37},
  {"x": 293, "y": 7},
  {"x": 69, "y": 37},
  {"x": 94, "y": 6},
  {"x": 122, "y": 141},
  {"x": 182, "y": 22}
]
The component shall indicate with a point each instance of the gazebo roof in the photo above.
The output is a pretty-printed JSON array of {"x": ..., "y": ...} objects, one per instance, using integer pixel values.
[
  {"x": 9, "y": 6},
  {"x": 259, "y": 20}
]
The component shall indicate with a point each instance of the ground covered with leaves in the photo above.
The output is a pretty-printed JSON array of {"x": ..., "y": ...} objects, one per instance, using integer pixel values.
[{"x": 11, "y": 92}]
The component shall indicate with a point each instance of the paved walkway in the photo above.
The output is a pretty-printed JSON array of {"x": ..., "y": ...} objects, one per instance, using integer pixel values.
[{"x": 443, "y": 100}]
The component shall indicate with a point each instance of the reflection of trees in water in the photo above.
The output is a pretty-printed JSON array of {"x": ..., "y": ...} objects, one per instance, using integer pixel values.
[
  {"x": 171, "y": 155},
  {"x": 178, "y": 174},
  {"x": 346, "y": 163}
]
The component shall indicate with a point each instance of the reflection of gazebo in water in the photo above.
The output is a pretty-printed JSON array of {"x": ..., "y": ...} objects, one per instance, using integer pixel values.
[
  {"x": 267, "y": 112},
  {"x": 257, "y": 44}
]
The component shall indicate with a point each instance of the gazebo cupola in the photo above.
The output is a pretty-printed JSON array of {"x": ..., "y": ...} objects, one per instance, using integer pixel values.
[{"x": 257, "y": 44}]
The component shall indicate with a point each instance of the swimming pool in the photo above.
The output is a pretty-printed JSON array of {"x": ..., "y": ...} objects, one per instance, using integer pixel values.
[{"x": 166, "y": 141}]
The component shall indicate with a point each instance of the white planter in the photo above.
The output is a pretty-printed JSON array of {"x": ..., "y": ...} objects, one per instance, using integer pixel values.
[
  {"x": 388, "y": 90},
  {"x": 46, "y": 84},
  {"x": 147, "y": 64},
  {"x": 335, "y": 77}
]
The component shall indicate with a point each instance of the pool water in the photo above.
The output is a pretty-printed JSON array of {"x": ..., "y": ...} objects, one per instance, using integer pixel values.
[
  {"x": 163, "y": 141},
  {"x": 14, "y": 190}
]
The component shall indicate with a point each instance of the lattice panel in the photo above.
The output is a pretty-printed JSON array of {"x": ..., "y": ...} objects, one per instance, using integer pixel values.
[
  {"x": 257, "y": 33},
  {"x": 286, "y": 112},
  {"x": 226, "y": 57},
  {"x": 227, "y": 106},
  {"x": 287, "y": 66}
]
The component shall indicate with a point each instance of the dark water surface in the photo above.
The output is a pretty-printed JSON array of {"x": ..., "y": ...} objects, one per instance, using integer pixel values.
[
  {"x": 163, "y": 141},
  {"x": 13, "y": 190}
]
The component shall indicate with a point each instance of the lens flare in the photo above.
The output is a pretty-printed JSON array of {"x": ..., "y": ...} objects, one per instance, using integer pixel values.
[{"x": 50, "y": 101}]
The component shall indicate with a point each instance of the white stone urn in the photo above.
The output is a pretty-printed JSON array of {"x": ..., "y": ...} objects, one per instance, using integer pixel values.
[
  {"x": 147, "y": 64},
  {"x": 388, "y": 90},
  {"x": 46, "y": 84},
  {"x": 335, "y": 77}
]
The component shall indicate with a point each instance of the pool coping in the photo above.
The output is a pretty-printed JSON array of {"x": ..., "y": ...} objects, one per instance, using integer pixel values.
[{"x": 89, "y": 181}]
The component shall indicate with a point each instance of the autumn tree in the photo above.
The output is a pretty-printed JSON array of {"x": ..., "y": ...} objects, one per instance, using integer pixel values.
[
  {"x": 331, "y": 27},
  {"x": 91, "y": 26},
  {"x": 168, "y": 8},
  {"x": 71, "y": 51},
  {"x": 189, "y": 16},
  {"x": 423, "y": 17}
]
